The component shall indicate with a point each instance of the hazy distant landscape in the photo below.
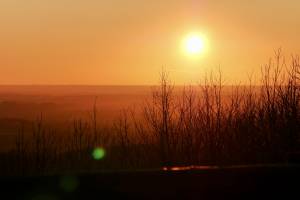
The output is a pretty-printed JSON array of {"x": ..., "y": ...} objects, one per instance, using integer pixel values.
[{"x": 59, "y": 105}]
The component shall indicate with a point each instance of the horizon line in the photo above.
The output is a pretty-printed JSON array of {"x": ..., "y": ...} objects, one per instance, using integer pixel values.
[{"x": 114, "y": 85}]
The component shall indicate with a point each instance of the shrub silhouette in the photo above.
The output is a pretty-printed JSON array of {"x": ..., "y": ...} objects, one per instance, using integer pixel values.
[{"x": 206, "y": 125}]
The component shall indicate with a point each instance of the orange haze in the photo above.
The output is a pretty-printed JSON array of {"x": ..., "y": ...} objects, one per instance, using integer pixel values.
[{"x": 126, "y": 42}]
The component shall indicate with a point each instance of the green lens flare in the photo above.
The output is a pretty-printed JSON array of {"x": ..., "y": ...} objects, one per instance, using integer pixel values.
[
  {"x": 69, "y": 183},
  {"x": 98, "y": 153}
]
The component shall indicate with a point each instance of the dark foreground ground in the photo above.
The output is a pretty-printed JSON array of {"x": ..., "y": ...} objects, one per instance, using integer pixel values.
[{"x": 246, "y": 182}]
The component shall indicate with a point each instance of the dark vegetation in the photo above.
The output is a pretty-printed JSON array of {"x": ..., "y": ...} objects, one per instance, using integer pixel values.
[
  {"x": 256, "y": 124},
  {"x": 259, "y": 182}
]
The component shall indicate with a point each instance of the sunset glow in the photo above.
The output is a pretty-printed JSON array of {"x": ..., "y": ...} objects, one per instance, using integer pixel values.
[
  {"x": 194, "y": 44},
  {"x": 126, "y": 42},
  {"x": 160, "y": 99}
]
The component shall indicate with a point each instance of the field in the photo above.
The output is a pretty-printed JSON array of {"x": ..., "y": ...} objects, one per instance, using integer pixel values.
[{"x": 243, "y": 182}]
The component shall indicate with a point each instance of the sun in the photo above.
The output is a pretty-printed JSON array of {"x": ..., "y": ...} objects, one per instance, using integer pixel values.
[{"x": 194, "y": 44}]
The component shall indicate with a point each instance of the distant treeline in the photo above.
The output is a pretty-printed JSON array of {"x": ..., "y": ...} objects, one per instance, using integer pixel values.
[{"x": 197, "y": 127}]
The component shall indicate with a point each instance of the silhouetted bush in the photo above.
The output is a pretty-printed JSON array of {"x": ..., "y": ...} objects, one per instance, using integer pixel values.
[{"x": 205, "y": 125}]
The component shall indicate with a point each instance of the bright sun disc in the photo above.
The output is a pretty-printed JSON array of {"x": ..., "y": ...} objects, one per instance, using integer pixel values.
[{"x": 194, "y": 44}]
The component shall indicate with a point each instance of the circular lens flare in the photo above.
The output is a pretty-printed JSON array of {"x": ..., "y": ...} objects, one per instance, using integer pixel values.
[{"x": 98, "y": 153}]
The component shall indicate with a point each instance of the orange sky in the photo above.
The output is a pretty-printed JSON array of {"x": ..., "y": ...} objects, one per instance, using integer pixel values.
[{"x": 118, "y": 42}]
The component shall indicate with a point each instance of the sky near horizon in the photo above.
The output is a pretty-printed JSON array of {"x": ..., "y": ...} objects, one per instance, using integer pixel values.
[{"x": 127, "y": 42}]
